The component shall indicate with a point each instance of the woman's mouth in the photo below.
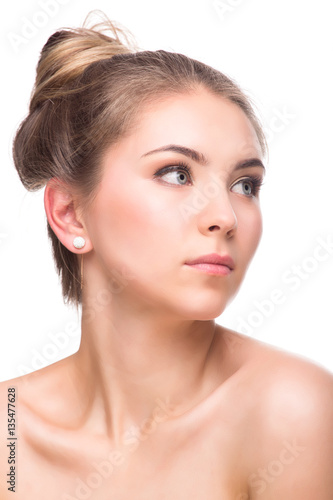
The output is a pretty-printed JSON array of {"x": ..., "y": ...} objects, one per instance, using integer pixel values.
[{"x": 214, "y": 264}]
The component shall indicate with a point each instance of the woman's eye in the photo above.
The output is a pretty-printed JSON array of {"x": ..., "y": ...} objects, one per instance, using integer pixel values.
[
  {"x": 249, "y": 187},
  {"x": 175, "y": 174}
]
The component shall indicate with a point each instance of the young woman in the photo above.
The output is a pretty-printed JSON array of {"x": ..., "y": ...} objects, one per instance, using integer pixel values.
[{"x": 152, "y": 164}]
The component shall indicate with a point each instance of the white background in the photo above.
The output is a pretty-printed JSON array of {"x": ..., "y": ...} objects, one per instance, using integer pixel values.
[{"x": 281, "y": 55}]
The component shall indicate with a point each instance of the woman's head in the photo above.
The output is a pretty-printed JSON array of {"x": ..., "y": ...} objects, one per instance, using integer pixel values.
[
  {"x": 90, "y": 92},
  {"x": 182, "y": 186}
]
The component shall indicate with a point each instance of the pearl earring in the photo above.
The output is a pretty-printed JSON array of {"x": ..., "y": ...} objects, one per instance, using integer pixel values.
[{"x": 79, "y": 242}]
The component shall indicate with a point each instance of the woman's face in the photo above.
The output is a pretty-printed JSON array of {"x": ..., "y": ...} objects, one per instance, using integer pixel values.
[{"x": 183, "y": 185}]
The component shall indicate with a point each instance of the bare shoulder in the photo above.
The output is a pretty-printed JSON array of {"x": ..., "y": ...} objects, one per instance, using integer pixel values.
[
  {"x": 287, "y": 403},
  {"x": 28, "y": 405},
  {"x": 289, "y": 388},
  {"x": 292, "y": 387},
  {"x": 13, "y": 395},
  {"x": 290, "y": 378},
  {"x": 41, "y": 393},
  {"x": 39, "y": 380}
]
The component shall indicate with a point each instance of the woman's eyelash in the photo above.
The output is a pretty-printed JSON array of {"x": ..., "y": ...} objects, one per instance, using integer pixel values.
[
  {"x": 174, "y": 168},
  {"x": 255, "y": 180}
]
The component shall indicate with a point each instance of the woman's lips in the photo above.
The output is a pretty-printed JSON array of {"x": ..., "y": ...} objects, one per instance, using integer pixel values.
[{"x": 213, "y": 264}]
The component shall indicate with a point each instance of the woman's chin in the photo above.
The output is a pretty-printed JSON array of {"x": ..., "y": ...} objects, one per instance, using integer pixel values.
[{"x": 204, "y": 312}]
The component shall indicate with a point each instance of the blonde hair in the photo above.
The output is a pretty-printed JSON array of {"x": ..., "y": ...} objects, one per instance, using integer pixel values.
[{"x": 91, "y": 84}]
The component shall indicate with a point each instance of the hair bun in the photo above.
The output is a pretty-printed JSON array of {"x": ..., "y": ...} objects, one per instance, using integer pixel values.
[{"x": 68, "y": 52}]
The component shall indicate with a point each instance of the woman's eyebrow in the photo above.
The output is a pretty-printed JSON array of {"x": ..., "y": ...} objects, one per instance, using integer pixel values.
[
  {"x": 201, "y": 158},
  {"x": 190, "y": 153},
  {"x": 251, "y": 162}
]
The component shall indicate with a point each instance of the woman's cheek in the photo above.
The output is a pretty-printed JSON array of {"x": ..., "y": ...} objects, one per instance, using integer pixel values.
[{"x": 250, "y": 228}]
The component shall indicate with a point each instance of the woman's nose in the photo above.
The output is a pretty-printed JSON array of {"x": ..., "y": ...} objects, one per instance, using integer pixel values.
[{"x": 217, "y": 214}]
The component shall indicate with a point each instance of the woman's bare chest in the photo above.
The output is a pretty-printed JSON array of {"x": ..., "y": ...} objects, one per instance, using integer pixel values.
[{"x": 158, "y": 465}]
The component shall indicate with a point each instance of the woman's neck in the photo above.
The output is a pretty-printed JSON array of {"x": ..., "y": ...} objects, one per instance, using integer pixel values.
[{"x": 129, "y": 360}]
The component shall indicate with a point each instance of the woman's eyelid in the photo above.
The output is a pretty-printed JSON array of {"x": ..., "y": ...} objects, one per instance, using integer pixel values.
[
  {"x": 249, "y": 177},
  {"x": 256, "y": 177},
  {"x": 255, "y": 182},
  {"x": 179, "y": 166}
]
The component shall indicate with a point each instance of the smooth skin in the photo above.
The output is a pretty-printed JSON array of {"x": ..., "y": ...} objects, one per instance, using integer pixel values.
[{"x": 160, "y": 402}]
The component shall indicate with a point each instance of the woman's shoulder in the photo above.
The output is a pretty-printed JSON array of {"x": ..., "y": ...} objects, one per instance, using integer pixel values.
[
  {"x": 39, "y": 392},
  {"x": 285, "y": 407},
  {"x": 32, "y": 407},
  {"x": 35, "y": 378},
  {"x": 12, "y": 389},
  {"x": 293, "y": 389},
  {"x": 280, "y": 380}
]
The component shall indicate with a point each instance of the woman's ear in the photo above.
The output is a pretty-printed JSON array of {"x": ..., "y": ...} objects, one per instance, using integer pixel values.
[{"x": 63, "y": 216}]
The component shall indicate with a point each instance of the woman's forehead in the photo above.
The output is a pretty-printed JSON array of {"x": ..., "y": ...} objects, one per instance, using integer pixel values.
[{"x": 199, "y": 118}]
